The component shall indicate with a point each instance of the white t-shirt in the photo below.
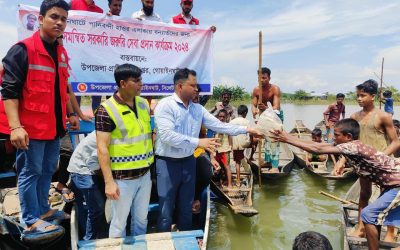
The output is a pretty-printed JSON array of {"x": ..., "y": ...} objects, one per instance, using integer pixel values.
[{"x": 142, "y": 16}]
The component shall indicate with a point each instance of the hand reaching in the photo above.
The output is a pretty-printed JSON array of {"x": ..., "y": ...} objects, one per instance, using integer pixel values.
[{"x": 209, "y": 144}]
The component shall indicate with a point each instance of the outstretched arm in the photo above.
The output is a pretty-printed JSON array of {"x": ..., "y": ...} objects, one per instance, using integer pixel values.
[
  {"x": 309, "y": 146},
  {"x": 390, "y": 131}
]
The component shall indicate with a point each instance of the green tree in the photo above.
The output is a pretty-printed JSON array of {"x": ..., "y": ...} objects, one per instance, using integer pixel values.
[
  {"x": 238, "y": 93},
  {"x": 301, "y": 95}
]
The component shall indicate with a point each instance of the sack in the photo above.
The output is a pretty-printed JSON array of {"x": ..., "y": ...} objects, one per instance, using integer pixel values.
[
  {"x": 268, "y": 121},
  {"x": 246, "y": 143}
]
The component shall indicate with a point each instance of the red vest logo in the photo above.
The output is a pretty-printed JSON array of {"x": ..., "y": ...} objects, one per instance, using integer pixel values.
[{"x": 82, "y": 87}]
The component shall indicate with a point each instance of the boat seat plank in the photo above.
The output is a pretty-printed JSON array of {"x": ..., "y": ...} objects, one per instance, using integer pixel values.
[
  {"x": 185, "y": 244},
  {"x": 7, "y": 175},
  {"x": 148, "y": 241}
]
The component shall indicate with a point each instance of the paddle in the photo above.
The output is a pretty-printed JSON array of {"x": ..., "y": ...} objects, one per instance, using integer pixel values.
[
  {"x": 337, "y": 198},
  {"x": 380, "y": 92},
  {"x": 259, "y": 100}
]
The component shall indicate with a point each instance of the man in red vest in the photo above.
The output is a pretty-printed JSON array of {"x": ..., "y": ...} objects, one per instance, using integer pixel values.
[
  {"x": 33, "y": 112},
  {"x": 86, "y": 5},
  {"x": 185, "y": 17}
]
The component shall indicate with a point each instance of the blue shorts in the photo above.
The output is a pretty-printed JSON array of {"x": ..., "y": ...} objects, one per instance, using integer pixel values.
[{"x": 385, "y": 210}]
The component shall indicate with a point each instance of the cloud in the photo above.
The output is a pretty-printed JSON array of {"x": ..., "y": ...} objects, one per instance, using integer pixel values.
[
  {"x": 306, "y": 24},
  {"x": 8, "y": 37}
]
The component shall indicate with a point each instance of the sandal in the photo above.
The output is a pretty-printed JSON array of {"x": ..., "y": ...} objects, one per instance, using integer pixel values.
[
  {"x": 42, "y": 233},
  {"x": 66, "y": 192}
]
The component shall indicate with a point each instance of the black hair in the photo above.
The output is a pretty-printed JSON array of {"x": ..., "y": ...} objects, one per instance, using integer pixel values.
[
  {"x": 222, "y": 111},
  {"x": 183, "y": 74},
  {"x": 226, "y": 92},
  {"x": 396, "y": 123},
  {"x": 265, "y": 70},
  {"x": 311, "y": 241},
  {"x": 242, "y": 110},
  {"x": 48, "y": 4},
  {"x": 110, "y": 1},
  {"x": 340, "y": 95},
  {"x": 370, "y": 86},
  {"x": 316, "y": 132},
  {"x": 387, "y": 93},
  {"x": 126, "y": 71},
  {"x": 349, "y": 126}
]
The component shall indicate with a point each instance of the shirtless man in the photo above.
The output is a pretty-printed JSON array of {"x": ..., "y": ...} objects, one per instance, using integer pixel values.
[
  {"x": 270, "y": 93},
  {"x": 377, "y": 130}
]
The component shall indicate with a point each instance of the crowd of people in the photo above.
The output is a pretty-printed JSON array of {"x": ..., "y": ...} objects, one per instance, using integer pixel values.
[
  {"x": 114, "y": 162},
  {"x": 119, "y": 154}
]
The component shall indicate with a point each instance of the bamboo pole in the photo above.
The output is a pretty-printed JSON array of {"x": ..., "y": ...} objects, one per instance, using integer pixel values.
[
  {"x": 337, "y": 198},
  {"x": 380, "y": 92},
  {"x": 259, "y": 100}
]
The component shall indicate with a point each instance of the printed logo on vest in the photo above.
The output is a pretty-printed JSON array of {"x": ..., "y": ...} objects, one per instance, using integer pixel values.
[
  {"x": 62, "y": 57},
  {"x": 142, "y": 105},
  {"x": 82, "y": 87}
]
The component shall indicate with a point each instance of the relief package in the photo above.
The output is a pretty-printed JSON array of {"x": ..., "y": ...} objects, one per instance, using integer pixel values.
[{"x": 268, "y": 121}]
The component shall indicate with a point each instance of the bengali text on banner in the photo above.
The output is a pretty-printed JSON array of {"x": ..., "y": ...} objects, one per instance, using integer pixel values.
[{"x": 97, "y": 43}]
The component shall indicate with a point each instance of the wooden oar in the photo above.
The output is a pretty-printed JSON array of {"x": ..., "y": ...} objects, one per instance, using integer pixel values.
[
  {"x": 380, "y": 92},
  {"x": 259, "y": 100},
  {"x": 298, "y": 130},
  {"x": 337, "y": 198}
]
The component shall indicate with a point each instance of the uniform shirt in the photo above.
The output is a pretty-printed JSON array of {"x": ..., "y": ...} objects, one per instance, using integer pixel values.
[
  {"x": 104, "y": 123},
  {"x": 82, "y": 5},
  {"x": 142, "y": 16},
  {"x": 182, "y": 19},
  {"x": 178, "y": 127},
  {"x": 376, "y": 166}
]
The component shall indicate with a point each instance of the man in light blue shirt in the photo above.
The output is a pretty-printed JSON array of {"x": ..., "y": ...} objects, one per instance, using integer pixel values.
[
  {"x": 88, "y": 188},
  {"x": 178, "y": 121}
]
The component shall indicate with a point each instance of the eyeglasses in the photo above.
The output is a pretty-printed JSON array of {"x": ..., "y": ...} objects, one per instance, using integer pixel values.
[{"x": 136, "y": 80}]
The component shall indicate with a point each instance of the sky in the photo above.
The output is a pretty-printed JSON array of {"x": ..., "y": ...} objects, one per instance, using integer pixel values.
[{"x": 321, "y": 46}]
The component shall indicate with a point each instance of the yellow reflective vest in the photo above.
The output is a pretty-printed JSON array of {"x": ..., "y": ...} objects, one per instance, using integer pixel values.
[{"x": 131, "y": 146}]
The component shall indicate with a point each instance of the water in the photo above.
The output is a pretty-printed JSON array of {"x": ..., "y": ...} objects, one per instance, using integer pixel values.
[{"x": 286, "y": 207}]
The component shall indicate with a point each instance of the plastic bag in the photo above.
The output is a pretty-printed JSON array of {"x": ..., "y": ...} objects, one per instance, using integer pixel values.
[{"x": 268, "y": 121}]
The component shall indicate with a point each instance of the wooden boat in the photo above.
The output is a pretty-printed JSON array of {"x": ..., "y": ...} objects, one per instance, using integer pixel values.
[
  {"x": 195, "y": 239},
  {"x": 286, "y": 162},
  {"x": 317, "y": 168},
  {"x": 11, "y": 230},
  {"x": 350, "y": 214},
  {"x": 321, "y": 169},
  {"x": 303, "y": 133},
  {"x": 239, "y": 198}
]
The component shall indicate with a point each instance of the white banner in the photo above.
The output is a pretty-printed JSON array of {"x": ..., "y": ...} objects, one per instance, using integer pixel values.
[{"x": 97, "y": 43}]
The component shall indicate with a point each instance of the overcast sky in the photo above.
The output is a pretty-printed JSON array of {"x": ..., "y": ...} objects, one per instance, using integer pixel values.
[{"x": 312, "y": 45}]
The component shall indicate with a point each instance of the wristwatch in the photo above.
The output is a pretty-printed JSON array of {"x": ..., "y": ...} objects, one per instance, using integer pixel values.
[{"x": 71, "y": 114}]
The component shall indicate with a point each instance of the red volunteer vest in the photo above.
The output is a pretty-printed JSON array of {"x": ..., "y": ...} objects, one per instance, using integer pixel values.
[
  {"x": 178, "y": 19},
  {"x": 36, "y": 106}
]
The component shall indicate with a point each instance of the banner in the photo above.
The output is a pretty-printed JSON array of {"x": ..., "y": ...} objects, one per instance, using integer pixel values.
[{"x": 97, "y": 43}]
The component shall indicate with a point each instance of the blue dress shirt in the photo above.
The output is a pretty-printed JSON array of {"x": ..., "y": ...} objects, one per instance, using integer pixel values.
[{"x": 178, "y": 127}]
